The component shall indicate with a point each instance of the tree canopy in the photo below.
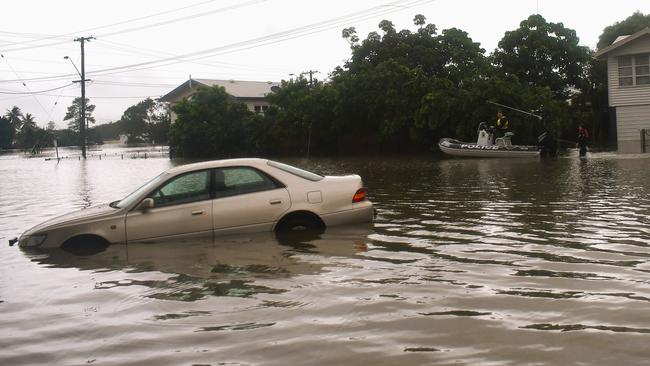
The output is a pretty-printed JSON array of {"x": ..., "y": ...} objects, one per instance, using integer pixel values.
[
  {"x": 543, "y": 54},
  {"x": 146, "y": 120},
  {"x": 630, "y": 25},
  {"x": 73, "y": 115},
  {"x": 210, "y": 124}
]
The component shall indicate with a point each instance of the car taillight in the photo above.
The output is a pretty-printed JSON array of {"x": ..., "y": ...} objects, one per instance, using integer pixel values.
[{"x": 360, "y": 195}]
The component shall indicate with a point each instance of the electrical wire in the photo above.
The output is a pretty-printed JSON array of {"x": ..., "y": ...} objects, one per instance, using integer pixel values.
[
  {"x": 24, "y": 84},
  {"x": 128, "y": 30},
  {"x": 34, "y": 92},
  {"x": 273, "y": 38},
  {"x": 256, "y": 42}
]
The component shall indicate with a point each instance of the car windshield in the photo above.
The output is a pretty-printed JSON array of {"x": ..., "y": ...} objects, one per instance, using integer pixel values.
[
  {"x": 296, "y": 171},
  {"x": 131, "y": 198}
]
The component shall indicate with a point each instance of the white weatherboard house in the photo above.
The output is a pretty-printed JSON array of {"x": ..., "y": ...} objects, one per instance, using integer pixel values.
[
  {"x": 251, "y": 93},
  {"x": 628, "y": 75}
]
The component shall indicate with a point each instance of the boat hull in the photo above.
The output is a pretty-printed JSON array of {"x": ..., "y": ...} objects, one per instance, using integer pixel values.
[{"x": 469, "y": 149}]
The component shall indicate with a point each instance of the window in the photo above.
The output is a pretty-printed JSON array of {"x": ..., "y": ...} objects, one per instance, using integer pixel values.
[
  {"x": 296, "y": 171},
  {"x": 258, "y": 109},
  {"x": 190, "y": 187},
  {"x": 241, "y": 180},
  {"x": 634, "y": 70}
]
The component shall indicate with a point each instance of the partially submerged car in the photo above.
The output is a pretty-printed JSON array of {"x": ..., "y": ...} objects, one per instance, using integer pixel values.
[{"x": 214, "y": 197}]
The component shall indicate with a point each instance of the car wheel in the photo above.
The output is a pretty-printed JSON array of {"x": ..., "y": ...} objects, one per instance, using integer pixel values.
[
  {"x": 85, "y": 245},
  {"x": 299, "y": 223}
]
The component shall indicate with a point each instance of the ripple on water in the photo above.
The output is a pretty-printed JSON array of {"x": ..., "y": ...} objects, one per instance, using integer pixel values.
[{"x": 469, "y": 262}]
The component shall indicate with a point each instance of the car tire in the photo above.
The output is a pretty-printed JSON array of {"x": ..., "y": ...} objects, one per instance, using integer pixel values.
[
  {"x": 85, "y": 245},
  {"x": 299, "y": 223}
]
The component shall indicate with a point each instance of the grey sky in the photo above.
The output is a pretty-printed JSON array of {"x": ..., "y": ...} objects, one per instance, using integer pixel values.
[{"x": 146, "y": 47}]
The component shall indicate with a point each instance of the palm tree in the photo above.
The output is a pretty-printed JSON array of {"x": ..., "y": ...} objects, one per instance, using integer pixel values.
[
  {"x": 28, "y": 121},
  {"x": 28, "y": 135},
  {"x": 15, "y": 117}
]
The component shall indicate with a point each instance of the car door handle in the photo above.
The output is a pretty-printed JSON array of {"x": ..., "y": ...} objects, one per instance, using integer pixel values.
[
  {"x": 275, "y": 202},
  {"x": 199, "y": 212}
]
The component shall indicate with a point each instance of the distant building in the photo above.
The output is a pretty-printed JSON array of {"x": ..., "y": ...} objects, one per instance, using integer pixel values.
[
  {"x": 251, "y": 93},
  {"x": 628, "y": 75}
]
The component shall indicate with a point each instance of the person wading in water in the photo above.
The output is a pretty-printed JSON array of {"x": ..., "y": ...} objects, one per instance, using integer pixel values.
[{"x": 583, "y": 136}]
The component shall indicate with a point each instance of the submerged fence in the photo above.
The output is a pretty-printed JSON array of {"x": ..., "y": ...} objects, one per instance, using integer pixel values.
[
  {"x": 115, "y": 154},
  {"x": 645, "y": 140}
]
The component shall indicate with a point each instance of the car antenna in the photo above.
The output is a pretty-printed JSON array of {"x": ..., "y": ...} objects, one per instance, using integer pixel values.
[{"x": 515, "y": 109}]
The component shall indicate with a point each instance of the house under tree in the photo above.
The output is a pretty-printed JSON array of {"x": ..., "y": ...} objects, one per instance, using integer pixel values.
[{"x": 251, "y": 93}]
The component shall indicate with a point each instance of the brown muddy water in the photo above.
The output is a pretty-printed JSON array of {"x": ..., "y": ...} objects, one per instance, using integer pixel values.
[{"x": 469, "y": 262}]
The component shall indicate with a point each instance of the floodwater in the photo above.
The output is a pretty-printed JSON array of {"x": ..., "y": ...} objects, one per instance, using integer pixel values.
[{"x": 469, "y": 262}]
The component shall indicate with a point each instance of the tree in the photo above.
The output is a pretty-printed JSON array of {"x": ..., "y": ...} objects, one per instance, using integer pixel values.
[
  {"x": 73, "y": 115},
  {"x": 15, "y": 118},
  {"x": 383, "y": 94},
  {"x": 630, "y": 25},
  {"x": 543, "y": 54},
  {"x": 51, "y": 126},
  {"x": 6, "y": 133},
  {"x": 31, "y": 136},
  {"x": 146, "y": 120},
  {"x": 210, "y": 124}
]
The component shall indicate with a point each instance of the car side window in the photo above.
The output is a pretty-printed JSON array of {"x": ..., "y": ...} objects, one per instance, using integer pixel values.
[
  {"x": 241, "y": 180},
  {"x": 190, "y": 187}
]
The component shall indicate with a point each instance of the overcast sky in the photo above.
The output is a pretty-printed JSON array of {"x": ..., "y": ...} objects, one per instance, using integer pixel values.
[{"x": 148, "y": 47}]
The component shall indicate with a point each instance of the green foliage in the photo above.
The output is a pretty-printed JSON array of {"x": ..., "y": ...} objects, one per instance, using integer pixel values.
[
  {"x": 147, "y": 120},
  {"x": 15, "y": 117},
  {"x": 73, "y": 115},
  {"x": 543, "y": 54},
  {"x": 6, "y": 133},
  {"x": 108, "y": 131},
  {"x": 210, "y": 124},
  {"x": 630, "y": 25}
]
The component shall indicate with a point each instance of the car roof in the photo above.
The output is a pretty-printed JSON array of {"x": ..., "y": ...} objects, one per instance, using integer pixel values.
[{"x": 216, "y": 164}]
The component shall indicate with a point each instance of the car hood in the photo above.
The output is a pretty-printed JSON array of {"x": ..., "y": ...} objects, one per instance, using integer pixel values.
[{"x": 79, "y": 216}]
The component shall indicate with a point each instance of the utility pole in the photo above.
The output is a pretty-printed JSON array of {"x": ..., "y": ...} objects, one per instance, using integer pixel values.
[
  {"x": 82, "y": 122},
  {"x": 311, "y": 85},
  {"x": 311, "y": 76}
]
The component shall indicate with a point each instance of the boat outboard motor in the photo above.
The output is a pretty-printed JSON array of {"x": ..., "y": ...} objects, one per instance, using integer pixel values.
[{"x": 547, "y": 145}]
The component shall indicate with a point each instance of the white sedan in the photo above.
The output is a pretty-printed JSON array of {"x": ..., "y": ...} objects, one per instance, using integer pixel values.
[{"x": 214, "y": 197}]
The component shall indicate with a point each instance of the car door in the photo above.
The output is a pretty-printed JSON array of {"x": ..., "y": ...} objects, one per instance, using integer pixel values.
[
  {"x": 182, "y": 206},
  {"x": 247, "y": 199}
]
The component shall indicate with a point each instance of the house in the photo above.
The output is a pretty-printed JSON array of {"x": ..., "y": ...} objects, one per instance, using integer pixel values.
[
  {"x": 628, "y": 75},
  {"x": 251, "y": 93}
]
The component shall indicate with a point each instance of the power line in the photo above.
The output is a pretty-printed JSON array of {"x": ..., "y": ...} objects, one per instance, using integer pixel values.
[
  {"x": 256, "y": 42},
  {"x": 35, "y": 92},
  {"x": 128, "y": 30},
  {"x": 275, "y": 37},
  {"x": 23, "y": 82}
]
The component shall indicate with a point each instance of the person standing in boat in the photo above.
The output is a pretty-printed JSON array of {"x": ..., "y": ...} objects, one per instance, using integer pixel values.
[
  {"x": 583, "y": 137},
  {"x": 502, "y": 124}
]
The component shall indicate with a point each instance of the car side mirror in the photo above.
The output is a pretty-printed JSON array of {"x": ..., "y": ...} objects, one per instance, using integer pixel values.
[{"x": 146, "y": 204}]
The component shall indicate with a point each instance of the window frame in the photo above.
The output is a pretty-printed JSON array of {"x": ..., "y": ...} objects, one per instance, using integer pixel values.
[
  {"x": 277, "y": 184},
  {"x": 179, "y": 176},
  {"x": 632, "y": 68}
]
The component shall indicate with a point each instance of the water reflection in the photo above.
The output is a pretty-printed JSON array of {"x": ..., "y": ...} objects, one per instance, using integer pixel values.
[
  {"x": 221, "y": 266},
  {"x": 468, "y": 262}
]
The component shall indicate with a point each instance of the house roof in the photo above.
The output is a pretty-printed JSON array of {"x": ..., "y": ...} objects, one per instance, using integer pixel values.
[
  {"x": 621, "y": 41},
  {"x": 236, "y": 88}
]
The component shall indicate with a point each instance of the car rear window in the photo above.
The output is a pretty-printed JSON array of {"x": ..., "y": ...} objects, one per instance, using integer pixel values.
[{"x": 296, "y": 171}]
